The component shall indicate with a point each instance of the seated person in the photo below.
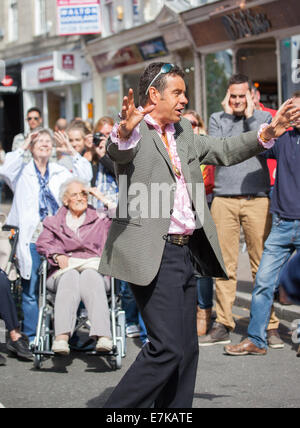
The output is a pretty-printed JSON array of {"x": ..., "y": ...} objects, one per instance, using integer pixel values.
[
  {"x": 73, "y": 241},
  {"x": 17, "y": 343}
]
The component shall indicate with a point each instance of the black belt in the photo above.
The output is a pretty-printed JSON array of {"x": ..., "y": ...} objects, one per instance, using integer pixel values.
[{"x": 180, "y": 240}]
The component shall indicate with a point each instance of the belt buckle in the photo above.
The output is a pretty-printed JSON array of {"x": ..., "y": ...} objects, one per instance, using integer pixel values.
[{"x": 179, "y": 240}]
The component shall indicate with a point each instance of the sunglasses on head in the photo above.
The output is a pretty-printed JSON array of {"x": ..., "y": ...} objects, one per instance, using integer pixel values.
[{"x": 166, "y": 68}]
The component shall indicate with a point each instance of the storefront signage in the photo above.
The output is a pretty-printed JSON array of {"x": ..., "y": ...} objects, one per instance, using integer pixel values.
[
  {"x": 131, "y": 55},
  {"x": 76, "y": 17},
  {"x": 68, "y": 61},
  {"x": 245, "y": 23},
  {"x": 46, "y": 74},
  {"x": 153, "y": 49},
  {"x": 7, "y": 81}
]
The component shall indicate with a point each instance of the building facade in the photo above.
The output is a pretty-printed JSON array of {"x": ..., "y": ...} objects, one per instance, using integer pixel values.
[{"x": 210, "y": 40}]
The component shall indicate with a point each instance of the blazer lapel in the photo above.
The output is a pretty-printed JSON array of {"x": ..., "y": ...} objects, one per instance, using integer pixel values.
[
  {"x": 160, "y": 145},
  {"x": 181, "y": 146}
]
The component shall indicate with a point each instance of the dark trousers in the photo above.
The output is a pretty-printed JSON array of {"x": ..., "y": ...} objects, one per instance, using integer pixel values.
[
  {"x": 7, "y": 306},
  {"x": 164, "y": 372}
]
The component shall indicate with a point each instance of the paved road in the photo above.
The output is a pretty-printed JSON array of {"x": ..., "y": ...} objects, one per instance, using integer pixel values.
[{"x": 82, "y": 381}]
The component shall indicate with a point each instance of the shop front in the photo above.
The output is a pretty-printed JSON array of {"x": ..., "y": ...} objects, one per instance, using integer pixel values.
[
  {"x": 258, "y": 38},
  {"x": 60, "y": 84},
  {"x": 11, "y": 105},
  {"x": 119, "y": 69}
]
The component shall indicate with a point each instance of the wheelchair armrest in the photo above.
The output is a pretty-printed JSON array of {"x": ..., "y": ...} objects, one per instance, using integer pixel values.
[{"x": 8, "y": 228}]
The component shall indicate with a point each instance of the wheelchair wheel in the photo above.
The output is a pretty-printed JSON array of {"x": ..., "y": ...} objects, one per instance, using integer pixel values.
[
  {"x": 38, "y": 358},
  {"x": 118, "y": 359}
]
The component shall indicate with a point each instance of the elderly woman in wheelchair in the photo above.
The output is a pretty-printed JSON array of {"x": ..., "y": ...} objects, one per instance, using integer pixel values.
[{"x": 73, "y": 241}]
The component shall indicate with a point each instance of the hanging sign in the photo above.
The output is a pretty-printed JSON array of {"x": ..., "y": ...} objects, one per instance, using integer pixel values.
[{"x": 77, "y": 17}]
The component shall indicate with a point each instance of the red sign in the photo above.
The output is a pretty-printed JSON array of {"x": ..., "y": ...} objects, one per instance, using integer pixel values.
[
  {"x": 46, "y": 74},
  {"x": 68, "y": 62},
  {"x": 7, "y": 81}
]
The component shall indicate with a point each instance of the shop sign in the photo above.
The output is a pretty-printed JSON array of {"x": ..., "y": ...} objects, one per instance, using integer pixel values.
[
  {"x": 68, "y": 61},
  {"x": 153, "y": 49},
  {"x": 77, "y": 17},
  {"x": 46, "y": 74},
  {"x": 130, "y": 55},
  {"x": 7, "y": 81},
  {"x": 245, "y": 23}
]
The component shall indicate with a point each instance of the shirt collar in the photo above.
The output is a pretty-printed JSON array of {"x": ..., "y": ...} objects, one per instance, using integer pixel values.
[{"x": 170, "y": 128}]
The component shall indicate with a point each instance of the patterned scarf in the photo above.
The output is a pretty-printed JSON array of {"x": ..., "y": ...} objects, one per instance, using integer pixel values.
[{"x": 47, "y": 202}]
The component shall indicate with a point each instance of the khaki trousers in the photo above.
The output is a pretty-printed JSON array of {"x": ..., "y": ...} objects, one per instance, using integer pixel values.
[
  {"x": 73, "y": 287},
  {"x": 230, "y": 214}
]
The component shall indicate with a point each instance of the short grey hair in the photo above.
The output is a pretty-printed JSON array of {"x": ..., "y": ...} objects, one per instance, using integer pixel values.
[{"x": 65, "y": 186}]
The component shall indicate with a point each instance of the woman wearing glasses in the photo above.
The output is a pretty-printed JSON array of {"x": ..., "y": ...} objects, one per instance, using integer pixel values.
[
  {"x": 73, "y": 241},
  {"x": 36, "y": 190}
]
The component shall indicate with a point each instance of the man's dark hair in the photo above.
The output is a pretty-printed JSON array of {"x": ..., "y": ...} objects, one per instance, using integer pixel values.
[
  {"x": 160, "y": 83},
  {"x": 35, "y": 109},
  {"x": 296, "y": 94},
  {"x": 238, "y": 78}
]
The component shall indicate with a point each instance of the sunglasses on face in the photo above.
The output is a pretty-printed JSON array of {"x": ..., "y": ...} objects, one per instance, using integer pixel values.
[
  {"x": 166, "y": 68},
  {"x": 81, "y": 195},
  {"x": 33, "y": 118}
]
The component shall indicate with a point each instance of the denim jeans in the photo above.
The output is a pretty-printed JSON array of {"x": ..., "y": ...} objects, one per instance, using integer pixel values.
[
  {"x": 129, "y": 304},
  {"x": 284, "y": 238},
  {"x": 132, "y": 314},
  {"x": 30, "y": 296},
  {"x": 205, "y": 292}
]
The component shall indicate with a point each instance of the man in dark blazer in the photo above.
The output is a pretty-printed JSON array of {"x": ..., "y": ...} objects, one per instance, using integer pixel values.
[{"x": 158, "y": 251}]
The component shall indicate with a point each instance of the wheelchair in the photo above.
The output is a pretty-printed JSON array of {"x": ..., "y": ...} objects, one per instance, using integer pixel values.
[{"x": 45, "y": 328}]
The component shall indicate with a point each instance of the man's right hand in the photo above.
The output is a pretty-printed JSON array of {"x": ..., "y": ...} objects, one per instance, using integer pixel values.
[
  {"x": 225, "y": 104},
  {"x": 131, "y": 116},
  {"x": 62, "y": 261}
]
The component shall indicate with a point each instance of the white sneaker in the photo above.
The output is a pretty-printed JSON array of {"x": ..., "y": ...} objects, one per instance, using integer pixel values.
[
  {"x": 104, "y": 344},
  {"x": 61, "y": 347},
  {"x": 133, "y": 331}
]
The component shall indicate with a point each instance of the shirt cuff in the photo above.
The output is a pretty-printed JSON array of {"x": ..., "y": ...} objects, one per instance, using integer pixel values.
[
  {"x": 128, "y": 144},
  {"x": 269, "y": 144}
]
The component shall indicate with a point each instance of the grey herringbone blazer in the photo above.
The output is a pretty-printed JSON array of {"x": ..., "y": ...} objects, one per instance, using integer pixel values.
[{"x": 135, "y": 243}]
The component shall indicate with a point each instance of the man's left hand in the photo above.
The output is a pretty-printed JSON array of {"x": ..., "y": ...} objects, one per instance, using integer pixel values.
[{"x": 286, "y": 116}]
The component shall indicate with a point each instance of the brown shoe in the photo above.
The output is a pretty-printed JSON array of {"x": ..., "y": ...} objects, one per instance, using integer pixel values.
[
  {"x": 246, "y": 347},
  {"x": 203, "y": 320},
  {"x": 274, "y": 340}
]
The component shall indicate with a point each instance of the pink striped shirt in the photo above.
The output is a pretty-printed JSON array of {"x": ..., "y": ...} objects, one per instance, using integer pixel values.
[{"x": 182, "y": 218}]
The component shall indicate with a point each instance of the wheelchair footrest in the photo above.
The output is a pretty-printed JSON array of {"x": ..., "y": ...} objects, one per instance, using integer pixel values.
[{"x": 44, "y": 353}]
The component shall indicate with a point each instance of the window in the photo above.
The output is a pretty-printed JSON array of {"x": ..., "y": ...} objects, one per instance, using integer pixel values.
[
  {"x": 40, "y": 17},
  {"x": 290, "y": 66},
  {"x": 108, "y": 17},
  {"x": 13, "y": 21}
]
